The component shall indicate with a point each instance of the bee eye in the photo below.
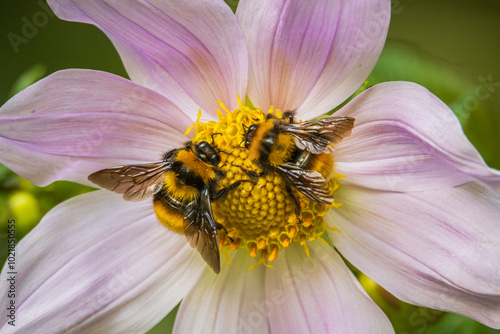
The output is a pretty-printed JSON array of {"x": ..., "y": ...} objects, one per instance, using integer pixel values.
[
  {"x": 215, "y": 158},
  {"x": 288, "y": 115}
]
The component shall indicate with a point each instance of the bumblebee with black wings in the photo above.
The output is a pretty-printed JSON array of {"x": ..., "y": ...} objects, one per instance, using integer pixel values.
[{"x": 183, "y": 186}]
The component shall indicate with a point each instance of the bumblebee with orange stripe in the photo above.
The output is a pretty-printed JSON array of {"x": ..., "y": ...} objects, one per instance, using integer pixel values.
[
  {"x": 299, "y": 152},
  {"x": 183, "y": 186}
]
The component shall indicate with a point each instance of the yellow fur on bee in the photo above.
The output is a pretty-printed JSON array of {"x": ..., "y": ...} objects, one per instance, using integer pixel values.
[
  {"x": 259, "y": 133},
  {"x": 282, "y": 149},
  {"x": 195, "y": 165},
  {"x": 179, "y": 190},
  {"x": 169, "y": 217},
  {"x": 323, "y": 163}
]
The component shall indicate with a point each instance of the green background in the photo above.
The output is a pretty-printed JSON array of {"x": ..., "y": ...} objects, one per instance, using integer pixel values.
[{"x": 447, "y": 46}]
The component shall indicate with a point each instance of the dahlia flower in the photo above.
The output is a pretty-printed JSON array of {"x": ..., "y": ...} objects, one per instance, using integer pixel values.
[{"x": 417, "y": 211}]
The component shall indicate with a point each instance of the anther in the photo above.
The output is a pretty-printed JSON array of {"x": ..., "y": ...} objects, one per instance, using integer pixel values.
[
  {"x": 286, "y": 242},
  {"x": 261, "y": 243},
  {"x": 253, "y": 250},
  {"x": 235, "y": 244},
  {"x": 274, "y": 253}
]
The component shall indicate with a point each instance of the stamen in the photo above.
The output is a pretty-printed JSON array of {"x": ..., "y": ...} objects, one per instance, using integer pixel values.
[
  {"x": 274, "y": 253},
  {"x": 261, "y": 244},
  {"x": 334, "y": 229},
  {"x": 235, "y": 244},
  {"x": 253, "y": 250},
  {"x": 195, "y": 125},
  {"x": 286, "y": 242},
  {"x": 262, "y": 261}
]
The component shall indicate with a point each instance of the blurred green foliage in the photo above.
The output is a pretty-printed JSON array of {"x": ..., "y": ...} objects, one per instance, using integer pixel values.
[{"x": 478, "y": 112}]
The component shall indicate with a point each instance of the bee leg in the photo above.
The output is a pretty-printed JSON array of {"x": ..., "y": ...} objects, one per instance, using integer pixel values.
[
  {"x": 252, "y": 174},
  {"x": 223, "y": 192},
  {"x": 219, "y": 226},
  {"x": 296, "y": 202}
]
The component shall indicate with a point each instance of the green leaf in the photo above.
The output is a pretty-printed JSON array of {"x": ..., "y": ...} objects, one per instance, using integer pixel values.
[
  {"x": 233, "y": 4},
  {"x": 28, "y": 78}
]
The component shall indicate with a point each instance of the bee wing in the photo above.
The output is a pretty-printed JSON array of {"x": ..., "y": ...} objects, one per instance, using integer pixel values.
[
  {"x": 135, "y": 182},
  {"x": 309, "y": 182},
  {"x": 202, "y": 231},
  {"x": 316, "y": 135}
]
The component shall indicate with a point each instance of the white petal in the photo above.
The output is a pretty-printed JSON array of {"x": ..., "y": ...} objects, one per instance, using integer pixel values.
[
  {"x": 99, "y": 264},
  {"x": 232, "y": 302},
  {"x": 310, "y": 56},
  {"x": 319, "y": 294},
  {"x": 438, "y": 249},
  {"x": 406, "y": 139},
  {"x": 193, "y": 52},
  {"x": 76, "y": 122}
]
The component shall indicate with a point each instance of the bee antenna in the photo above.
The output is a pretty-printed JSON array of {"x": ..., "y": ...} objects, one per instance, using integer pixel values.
[
  {"x": 214, "y": 134},
  {"x": 245, "y": 128}
]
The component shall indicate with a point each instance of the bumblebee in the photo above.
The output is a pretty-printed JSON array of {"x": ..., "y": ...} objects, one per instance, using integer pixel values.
[
  {"x": 299, "y": 152},
  {"x": 183, "y": 186}
]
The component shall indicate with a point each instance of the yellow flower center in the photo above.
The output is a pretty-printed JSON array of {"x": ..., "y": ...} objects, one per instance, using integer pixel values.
[{"x": 259, "y": 215}]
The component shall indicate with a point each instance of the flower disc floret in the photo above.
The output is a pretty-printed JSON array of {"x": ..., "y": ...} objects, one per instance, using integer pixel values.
[{"x": 259, "y": 215}]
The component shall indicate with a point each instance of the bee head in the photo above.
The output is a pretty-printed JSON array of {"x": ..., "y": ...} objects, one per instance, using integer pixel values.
[
  {"x": 207, "y": 153},
  {"x": 288, "y": 115},
  {"x": 249, "y": 134}
]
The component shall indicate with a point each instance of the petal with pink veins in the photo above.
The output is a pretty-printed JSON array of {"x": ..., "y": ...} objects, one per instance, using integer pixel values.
[
  {"x": 406, "y": 139},
  {"x": 193, "y": 52},
  {"x": 76, "y": 122},
  {"x": 310, "y": 56},
  {"x": 232, "y": 302},
  {"x": 438, "y": 249},
  {"x": 98, "y": 264},
  {"x": 319, "y": 294}
]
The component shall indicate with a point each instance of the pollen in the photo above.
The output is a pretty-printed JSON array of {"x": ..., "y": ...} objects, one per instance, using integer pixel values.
[{"x": 259, "y": 216}]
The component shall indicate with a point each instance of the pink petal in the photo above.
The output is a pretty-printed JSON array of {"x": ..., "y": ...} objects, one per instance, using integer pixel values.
[
  {"x": 193, "y": 52},
  {"x": 319, "y": 295},
  {"x": 310, "y": 56},
  {"x": 98, "y": 264},
  {"x": 231, "y": 302},
  {"x": 76, "y": 122},
  {"x": 438, "y": 249},
  {"x": 406, "y": 139}
]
